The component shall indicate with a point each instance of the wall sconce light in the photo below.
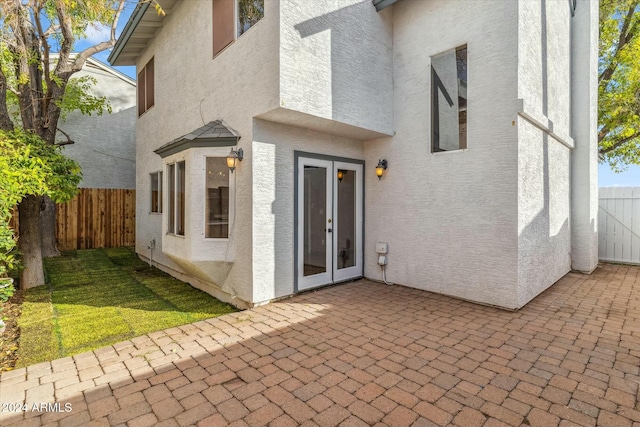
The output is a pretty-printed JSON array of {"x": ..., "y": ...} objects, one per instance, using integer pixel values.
[
  {"x": 382, "y": 166},
  {"x": 340, "y": 175},
  {"x": 233, "y": 157}
]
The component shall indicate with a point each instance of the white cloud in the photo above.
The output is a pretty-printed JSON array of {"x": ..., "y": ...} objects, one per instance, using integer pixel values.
[{"x": 97, "y": 33}]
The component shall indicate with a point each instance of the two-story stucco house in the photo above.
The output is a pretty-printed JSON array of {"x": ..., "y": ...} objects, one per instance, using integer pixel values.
[{"x": 483, "y": 112}]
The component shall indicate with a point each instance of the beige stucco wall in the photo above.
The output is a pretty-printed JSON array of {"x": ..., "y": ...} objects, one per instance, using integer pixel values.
[
  {"x": 450, "y": 218},
  {"x": 544, "y": 173},
  {"x": 336, "y": 63},
  {"x": 489, "y": 223},
  {"x": 273, "y": 207}
]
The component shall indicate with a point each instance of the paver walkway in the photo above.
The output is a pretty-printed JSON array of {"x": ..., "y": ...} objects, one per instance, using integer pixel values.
[{"x": 363, "y": 354}]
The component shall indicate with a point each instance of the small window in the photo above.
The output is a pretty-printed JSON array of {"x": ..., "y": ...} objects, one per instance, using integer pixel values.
[
  {"x": 176, "y": 183},
  {"x": 449, "y": 100},
  {"x": 146, "y": 95},
  {"x": 232, "y": 18},
  {"x": 217, "y": 198},
  {"x": 156, "y": 192},
  {"x": 249, "y": 13}
]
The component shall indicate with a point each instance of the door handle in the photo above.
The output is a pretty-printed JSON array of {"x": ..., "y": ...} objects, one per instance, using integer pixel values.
[{"x": 329, "y": 230}]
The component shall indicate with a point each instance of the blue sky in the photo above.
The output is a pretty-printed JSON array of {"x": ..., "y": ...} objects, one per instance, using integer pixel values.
[
  {"x": 606, "y": 177},
  {"x": 97, "y": 35},
  {"x": 628, "y": 178}
]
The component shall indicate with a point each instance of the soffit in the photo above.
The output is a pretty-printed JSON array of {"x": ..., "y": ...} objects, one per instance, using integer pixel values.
[
  {"x": 141, "y": 27},
  {"x": 381, "y": 4}
]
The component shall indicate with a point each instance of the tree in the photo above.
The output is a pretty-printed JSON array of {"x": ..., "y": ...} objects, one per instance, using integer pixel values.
[
  {"x": 29, "y": 166},
  {"x": 31, "y": 78},
  {"x": 619, "y": 83}
]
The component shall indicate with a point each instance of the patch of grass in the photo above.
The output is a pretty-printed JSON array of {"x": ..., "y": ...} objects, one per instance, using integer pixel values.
[
  {"x": 38, "y": 339},
  {"x": 100, "y": 297}
]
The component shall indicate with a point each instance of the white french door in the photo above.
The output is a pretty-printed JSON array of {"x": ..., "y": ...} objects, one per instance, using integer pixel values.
[{"x": 329, "y": 246}]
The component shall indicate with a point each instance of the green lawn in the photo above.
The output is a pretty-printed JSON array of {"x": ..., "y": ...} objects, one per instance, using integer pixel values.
[{"x": 99, "y": 297}]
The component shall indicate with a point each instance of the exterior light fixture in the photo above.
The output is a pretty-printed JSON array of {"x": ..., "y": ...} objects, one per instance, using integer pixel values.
[
  {"x": 340, "y": 175},
  {"x": 233, "y": 158},
  {"x": 382, "y": 166}
]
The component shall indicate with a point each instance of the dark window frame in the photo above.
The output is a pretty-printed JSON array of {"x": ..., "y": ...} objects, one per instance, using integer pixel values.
[
  {"x": 156, "y": 199},
  {"x": 146, "y": 87},
  {"x": 228, "y": 24},
  {"x": 437, "y": 87}
]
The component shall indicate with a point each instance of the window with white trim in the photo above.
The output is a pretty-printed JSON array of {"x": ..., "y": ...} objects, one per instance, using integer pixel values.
[
  {"x": 217, "y": 198},
  {"x": 449, "y": 100},
  {"x": 156, "y": 192},
  {"x": 176, "y": 184}
]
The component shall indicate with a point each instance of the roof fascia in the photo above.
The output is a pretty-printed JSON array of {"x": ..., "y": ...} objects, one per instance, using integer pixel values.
[{"x": 131, "y": 26}]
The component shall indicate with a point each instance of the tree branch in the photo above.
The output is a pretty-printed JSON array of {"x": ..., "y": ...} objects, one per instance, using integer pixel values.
[
  {"x": 67, "y": 142},
  {"x": 5, "y": 119},
  {"x": 624, "y": 38},
  {"x": 619, "y": 143},
  {"x": 44, "y": 45},
  {"x": 82, "y": 56},
  {"x": 64, "y": 20}
]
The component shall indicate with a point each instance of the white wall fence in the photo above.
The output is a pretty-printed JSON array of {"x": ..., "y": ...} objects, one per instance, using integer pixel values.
[{"x": 619, "y": 224}]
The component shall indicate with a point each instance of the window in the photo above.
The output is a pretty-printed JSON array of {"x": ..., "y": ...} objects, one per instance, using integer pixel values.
[
  {"x": 156, "y": 192},
  {"x": 232, "y": 18},
  {"x": 176, "y": 182},
  {"x": 449, "y": 100},
  {"x": 217, "y": 198},
  {"x": 145, "y": 88}
]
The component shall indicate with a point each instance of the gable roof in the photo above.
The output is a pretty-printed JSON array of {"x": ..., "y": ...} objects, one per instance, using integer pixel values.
[{"x": 213, "y": 134}]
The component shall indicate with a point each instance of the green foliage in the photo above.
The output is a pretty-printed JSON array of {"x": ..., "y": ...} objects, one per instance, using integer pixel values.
[
  {"x": 619, "y": 83},
  {"x": 29, "y": 166},
  {"x": 6, "y": 290},
  {"x": 249, "y": 13},
  {"x": 79, "y": 96},
  {"x": 38, "y": 339}
]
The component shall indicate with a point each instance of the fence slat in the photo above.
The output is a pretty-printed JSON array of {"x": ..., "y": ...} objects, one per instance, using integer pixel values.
[
  {"x": 95, "y": 218},
  {"x": 619, "y": 224}
]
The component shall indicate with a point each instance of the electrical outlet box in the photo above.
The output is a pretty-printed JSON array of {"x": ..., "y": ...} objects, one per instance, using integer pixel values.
[{"x": 381, "y": 248}]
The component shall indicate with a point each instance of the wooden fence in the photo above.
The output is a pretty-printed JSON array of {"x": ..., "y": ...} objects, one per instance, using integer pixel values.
[
  {"x": 619, "y": 224},
  {"x": 96, "y": 218}
]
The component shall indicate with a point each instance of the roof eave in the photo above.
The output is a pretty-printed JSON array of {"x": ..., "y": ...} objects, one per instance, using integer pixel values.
[
  {"x": 381, "y": 4},
  {"x": 126, "y": 34},
  {"x": 185, "y": 144}
]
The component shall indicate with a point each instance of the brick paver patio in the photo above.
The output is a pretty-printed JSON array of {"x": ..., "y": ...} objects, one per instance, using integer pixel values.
[{"x": 363, "y": 354}]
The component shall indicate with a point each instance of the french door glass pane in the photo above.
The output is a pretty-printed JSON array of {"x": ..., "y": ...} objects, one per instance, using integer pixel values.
[
  {"x": 315, "y": 218},
  {"x": 346, "y": 255}
]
